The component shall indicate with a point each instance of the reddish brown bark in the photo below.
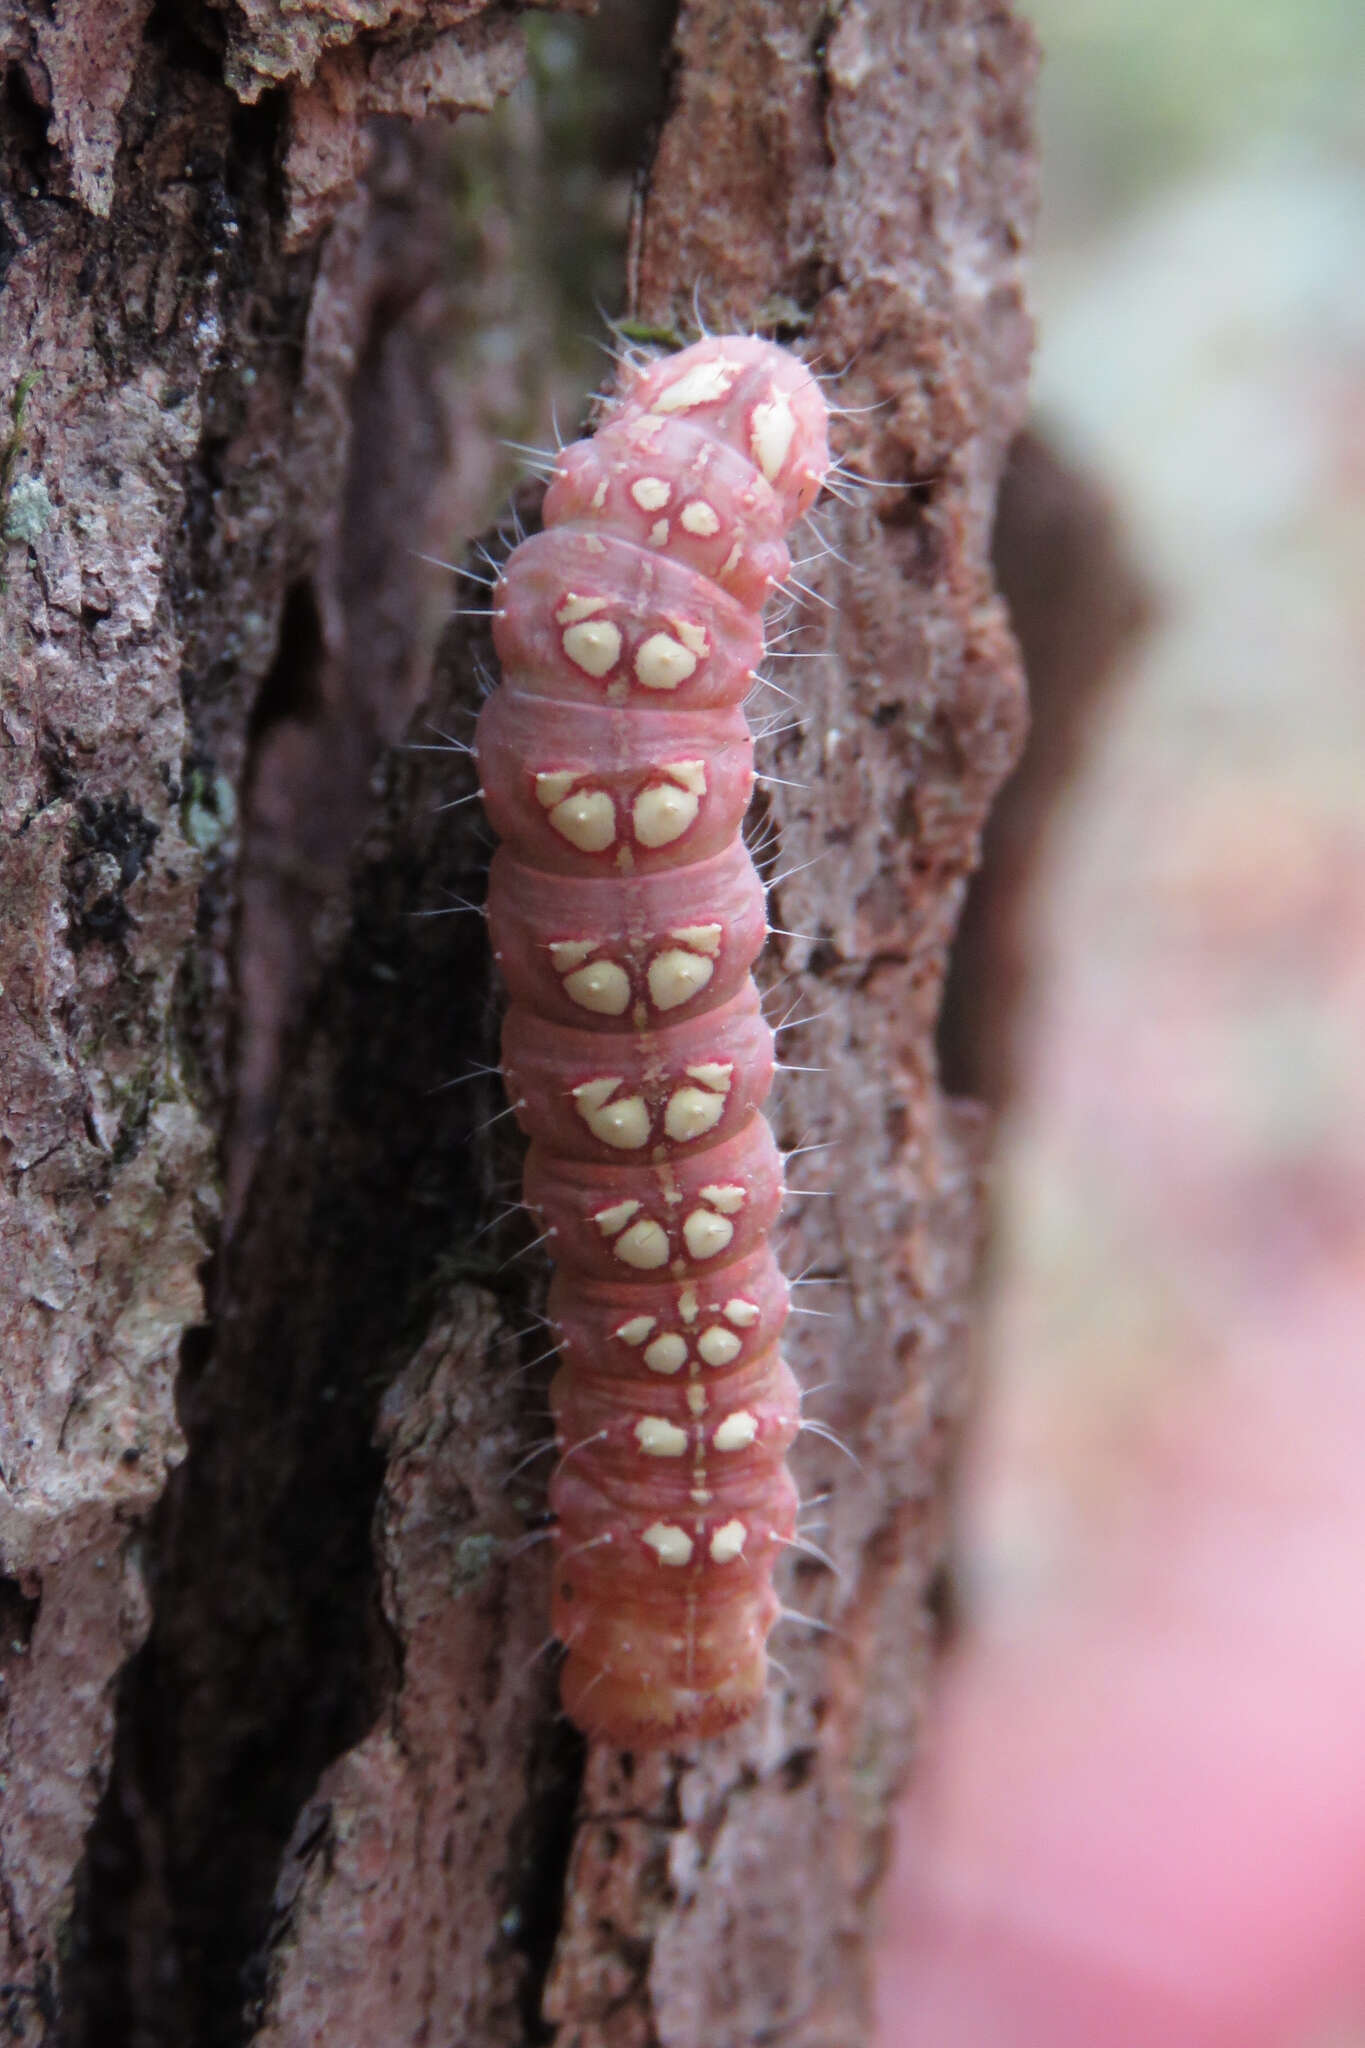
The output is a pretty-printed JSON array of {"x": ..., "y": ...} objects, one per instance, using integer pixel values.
[{"x": 242, "y": 427}]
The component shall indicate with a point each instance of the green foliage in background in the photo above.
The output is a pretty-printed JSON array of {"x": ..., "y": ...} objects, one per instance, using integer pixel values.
[{"x": 1136, "y": 96}]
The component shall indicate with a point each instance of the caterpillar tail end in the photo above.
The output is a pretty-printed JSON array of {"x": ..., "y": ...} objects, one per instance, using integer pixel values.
[
  {"x": 631, "y": 1714},
  {"x": 642, "y": 1678}
]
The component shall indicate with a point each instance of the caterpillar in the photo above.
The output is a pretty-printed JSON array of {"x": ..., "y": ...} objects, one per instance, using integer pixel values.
[{"x": 626, "y": 915}]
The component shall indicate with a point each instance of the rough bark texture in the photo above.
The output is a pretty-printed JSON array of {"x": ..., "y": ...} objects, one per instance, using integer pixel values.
[{"x": 240, "y": 428}]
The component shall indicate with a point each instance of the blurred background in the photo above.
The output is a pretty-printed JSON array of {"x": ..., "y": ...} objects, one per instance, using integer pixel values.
[
  {"x": 1142, "y": 1812},
  {"x": 1180, "y": 1201}
]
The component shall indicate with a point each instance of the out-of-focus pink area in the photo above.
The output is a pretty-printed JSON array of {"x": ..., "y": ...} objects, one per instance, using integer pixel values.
[{"x": 1141, "y": 1814}]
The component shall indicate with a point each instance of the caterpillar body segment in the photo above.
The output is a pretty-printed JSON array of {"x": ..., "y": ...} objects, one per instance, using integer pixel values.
[
  {"x": 647, "y": 791},
  {"x": 626, "y": 916},
  {"x": 682, "y": 1085},
  {"x": 657, "y": 949}
]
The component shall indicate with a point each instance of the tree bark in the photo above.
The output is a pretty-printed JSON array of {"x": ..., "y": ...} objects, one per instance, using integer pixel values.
[{"x": 329, "y": 1797}]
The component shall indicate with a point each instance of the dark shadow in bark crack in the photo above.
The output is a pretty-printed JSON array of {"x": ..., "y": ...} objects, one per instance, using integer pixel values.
[{"x": 267, "y": 1657}]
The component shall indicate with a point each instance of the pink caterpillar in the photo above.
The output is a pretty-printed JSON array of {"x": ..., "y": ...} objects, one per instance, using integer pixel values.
[{"x": 626, "y": 915}]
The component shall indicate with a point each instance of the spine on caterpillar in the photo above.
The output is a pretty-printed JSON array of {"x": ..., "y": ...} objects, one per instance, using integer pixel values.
[{"x": 626, "y": 915}]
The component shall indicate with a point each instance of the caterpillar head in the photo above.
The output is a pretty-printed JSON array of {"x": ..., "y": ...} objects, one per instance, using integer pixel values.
[{"x": 761, "y": 400}]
